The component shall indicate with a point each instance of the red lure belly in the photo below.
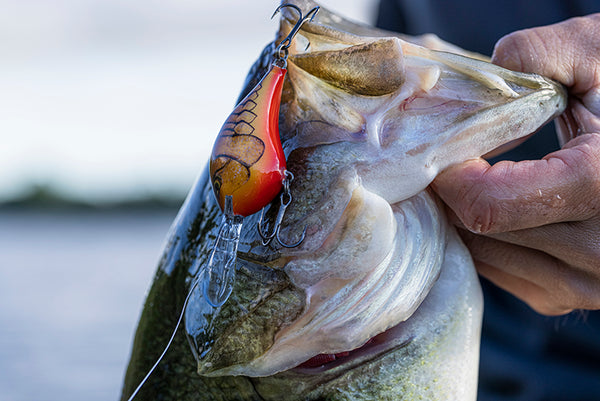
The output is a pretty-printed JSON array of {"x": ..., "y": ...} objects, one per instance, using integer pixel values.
[{"x": 247, "y": 161}]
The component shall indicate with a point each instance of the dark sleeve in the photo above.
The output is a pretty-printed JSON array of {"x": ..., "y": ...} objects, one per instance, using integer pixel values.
[{"x": 524, "y": 356}]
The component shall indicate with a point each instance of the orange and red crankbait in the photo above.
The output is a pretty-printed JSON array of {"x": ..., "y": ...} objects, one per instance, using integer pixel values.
[
  {"x": 247, "y": 161},
  {"x": 248, "y": 170}
]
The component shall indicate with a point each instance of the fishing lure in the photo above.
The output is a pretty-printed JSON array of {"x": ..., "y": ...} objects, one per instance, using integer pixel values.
[{"x": 248, "y": 169}]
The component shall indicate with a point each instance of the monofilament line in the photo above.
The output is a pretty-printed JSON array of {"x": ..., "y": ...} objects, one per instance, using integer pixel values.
[{"x": 196, "y": 281}]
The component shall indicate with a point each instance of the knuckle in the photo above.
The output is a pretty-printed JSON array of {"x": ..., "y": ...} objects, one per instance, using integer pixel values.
[
  {"x": 589, "y": 153},
  {"x": 586, "y": 164},
  {"x": 590, "y": 160}
]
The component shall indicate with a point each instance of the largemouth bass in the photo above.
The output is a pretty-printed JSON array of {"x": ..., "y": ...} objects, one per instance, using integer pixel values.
[{"x": 380, "y": 301}]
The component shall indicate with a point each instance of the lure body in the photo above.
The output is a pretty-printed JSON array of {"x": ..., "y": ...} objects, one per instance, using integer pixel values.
[{"x": 247, "y": 161}]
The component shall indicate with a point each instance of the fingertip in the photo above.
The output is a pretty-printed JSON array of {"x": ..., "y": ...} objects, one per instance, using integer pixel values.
[
  {"x": 457, "y": 186},
  {"x": 464, "y": 170},
  {"x": 507, "y": 53},
  {"x": 450, "y": 183}
]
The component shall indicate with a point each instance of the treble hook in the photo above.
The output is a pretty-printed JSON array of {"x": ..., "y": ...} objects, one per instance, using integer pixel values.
[
  {"x": 284, "y": 45},
  {"x": 285, "y": 199}
]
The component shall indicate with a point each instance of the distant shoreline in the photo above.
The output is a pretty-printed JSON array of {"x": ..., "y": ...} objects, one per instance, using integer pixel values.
[{"x": 43, "y": 198}]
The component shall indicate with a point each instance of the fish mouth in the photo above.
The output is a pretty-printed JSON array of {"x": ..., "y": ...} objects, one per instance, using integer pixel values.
[
  {"x": 361, "y": 297},
  {"x": 390, "y": 340},
  {"x": 443, "y": 330},
  {"x": 408, "y": 111}
]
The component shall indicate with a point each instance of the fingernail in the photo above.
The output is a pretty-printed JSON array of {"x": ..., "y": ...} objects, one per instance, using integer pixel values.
[
  {"x": 591, "y": 100},
  {"x": 586, "y": 120}
]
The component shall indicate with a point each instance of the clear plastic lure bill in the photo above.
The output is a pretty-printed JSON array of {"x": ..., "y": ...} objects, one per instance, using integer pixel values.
[{"x": 219, "y": 275}]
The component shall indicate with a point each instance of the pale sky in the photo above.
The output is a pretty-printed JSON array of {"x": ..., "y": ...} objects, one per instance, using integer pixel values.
[{"x": 112, "y": 98}]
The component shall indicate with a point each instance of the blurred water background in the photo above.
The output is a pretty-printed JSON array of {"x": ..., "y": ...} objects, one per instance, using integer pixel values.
[{"x": 108, "y": 110}]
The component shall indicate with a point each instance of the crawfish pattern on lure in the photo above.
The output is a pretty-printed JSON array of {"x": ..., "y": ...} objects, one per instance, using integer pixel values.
[{"x": 247, "y": 160}]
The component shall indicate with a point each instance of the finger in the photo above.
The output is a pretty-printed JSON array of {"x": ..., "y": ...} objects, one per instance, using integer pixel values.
[
  {"x": 527, "y": 264},
  {"x": 584, "y": 119},
  {"x": 547, "y": 284},
  {"x": 576, "y": 243},
  {"x": 575, "y": 121},
  {"x": 535, "y": 296},
  {"x": 563, "y": 51},
  {"x": 591, "y": 101},
  {"x": 509, "y": 196}
]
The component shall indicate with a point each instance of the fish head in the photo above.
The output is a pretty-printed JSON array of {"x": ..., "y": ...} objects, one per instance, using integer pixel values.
[
  {"x": 368, "y": 118},
  {"x": 408, "y": 111}
]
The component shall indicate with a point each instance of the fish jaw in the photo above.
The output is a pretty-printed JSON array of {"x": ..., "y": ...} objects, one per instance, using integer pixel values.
[
  {"x": 433, "y": 355},
  {"x": 473, "y": 108},
  {"x": 427, "y": 111},
  {"x": 363, "y": 148},
  {"x": 385, "y": 261}
]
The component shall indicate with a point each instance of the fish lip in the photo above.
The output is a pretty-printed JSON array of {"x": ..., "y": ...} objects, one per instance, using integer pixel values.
[{"x": 388, "y": 341}]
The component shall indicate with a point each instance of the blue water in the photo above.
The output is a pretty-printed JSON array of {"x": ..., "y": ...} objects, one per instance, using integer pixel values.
[{"x": 71, "y": 289}]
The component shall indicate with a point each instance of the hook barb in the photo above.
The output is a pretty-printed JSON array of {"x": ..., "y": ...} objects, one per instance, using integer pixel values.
[
  {"x": 285, "y": 199},
  {"x": 287, "y": 41}
]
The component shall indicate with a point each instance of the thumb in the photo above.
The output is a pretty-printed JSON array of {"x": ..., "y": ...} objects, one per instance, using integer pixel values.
[
  {"x": 509, "y": 196},
  {"x": 564, "y": 52}
]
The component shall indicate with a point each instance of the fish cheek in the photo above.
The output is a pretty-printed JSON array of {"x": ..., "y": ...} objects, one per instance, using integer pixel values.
[{"x": 371, "y": 69}]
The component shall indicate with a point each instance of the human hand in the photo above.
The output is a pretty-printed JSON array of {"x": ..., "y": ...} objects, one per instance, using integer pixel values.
[{"x": 533, "y": 227}]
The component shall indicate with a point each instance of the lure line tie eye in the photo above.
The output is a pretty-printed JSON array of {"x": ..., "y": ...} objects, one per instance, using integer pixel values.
[{"x": 282, "y": 50}]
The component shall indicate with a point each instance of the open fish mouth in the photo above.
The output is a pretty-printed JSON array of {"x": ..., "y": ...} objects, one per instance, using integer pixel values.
[
  {"x": 373, "y": 285},
  {"x": 367, "y": 121},
  {"x": 388, "y": 341},
  {"x": 442, "y": 333}
]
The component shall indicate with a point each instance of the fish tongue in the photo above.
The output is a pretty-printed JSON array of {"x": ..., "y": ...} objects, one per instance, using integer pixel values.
[{"x": 322, "y": 359}]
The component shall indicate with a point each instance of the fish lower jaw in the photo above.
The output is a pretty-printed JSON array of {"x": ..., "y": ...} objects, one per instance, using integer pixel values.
[{"x": 389, "y": 340}]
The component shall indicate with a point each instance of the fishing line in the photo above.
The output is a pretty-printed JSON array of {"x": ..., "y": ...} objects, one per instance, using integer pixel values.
[{"x": 187, "y": 298}]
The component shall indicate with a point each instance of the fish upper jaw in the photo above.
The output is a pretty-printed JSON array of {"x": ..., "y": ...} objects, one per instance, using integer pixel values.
[
  {"x": 436, "y": 109},
  {"x": 473, "y": 109}
]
